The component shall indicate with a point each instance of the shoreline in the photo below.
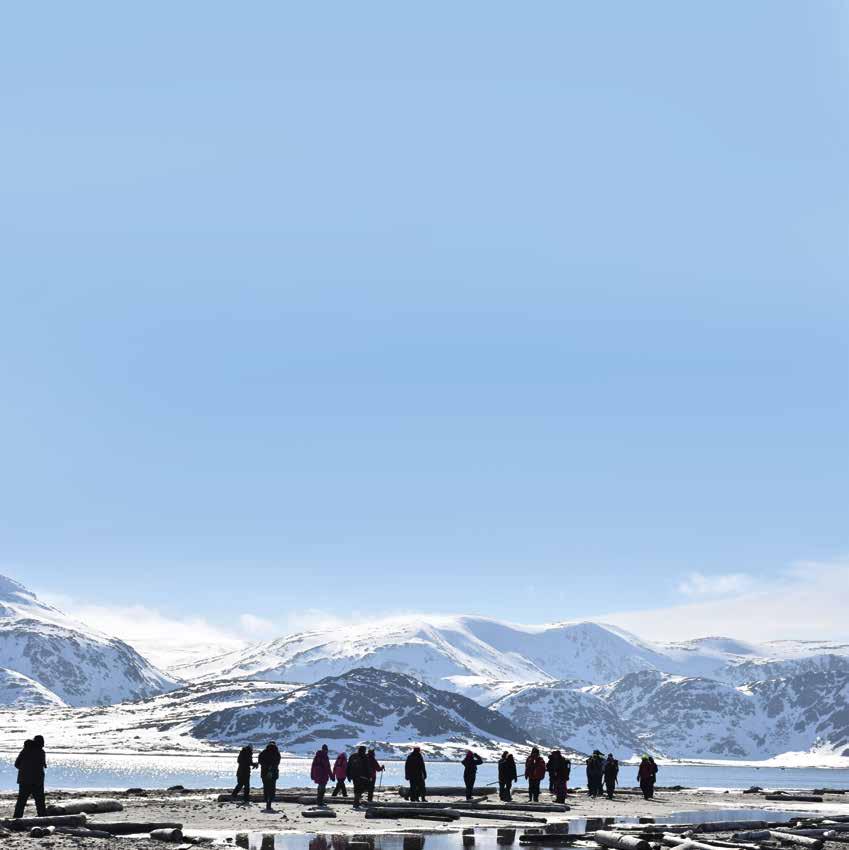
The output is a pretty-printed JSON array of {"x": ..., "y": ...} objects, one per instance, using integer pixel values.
[
  {"x": 780, "y": 762},
  {"x": 200, "y": 810}
]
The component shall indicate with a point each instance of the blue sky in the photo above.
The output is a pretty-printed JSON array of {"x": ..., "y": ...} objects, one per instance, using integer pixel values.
[{"x": 528, "y": 311}]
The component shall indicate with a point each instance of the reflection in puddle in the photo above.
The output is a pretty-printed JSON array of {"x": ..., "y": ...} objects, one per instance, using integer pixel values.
[{"x": 483, "y": 838}]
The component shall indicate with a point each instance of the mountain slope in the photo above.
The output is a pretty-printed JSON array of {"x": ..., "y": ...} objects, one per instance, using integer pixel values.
[
  {"x": 158, "y": 724},
  {"x": 391, "y": 710},
  {"x": 704, "y": 718},
  {"x": 75, "y": 663},
  {"x": 19, "y": 691},
  {"x": 562, "y": 714}
]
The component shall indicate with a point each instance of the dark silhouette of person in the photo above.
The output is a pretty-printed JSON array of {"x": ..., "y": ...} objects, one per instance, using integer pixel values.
[
  {"x": 269, "y": 770},
  {"x": 506, "y": 776},
  {"x": 340, "y": 774},
  {"x": 374, "y": 767},
  {"x": 645, "y": 776},
  {"x": 470, "y": 772},
  {"x": 31, "y": 764},
  {"x": 534, "y": 773},
  {"x": 557, "y": 775},
  {"x": 415, "y": 773},
  {"x": 611, "y": 773},
  {"x": 595, "y": 773},
  {"x": 321, "y": 772},
  {"x": 245, "y": 763},
  {"x": 359, "y": 772}
]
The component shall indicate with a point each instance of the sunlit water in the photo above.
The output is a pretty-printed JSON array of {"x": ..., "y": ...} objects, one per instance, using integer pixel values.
[
  {"x": 160, "y": 771},
  {"x": 481, "y": 838}
]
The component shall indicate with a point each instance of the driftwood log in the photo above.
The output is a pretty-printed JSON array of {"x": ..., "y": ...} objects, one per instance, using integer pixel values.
[
  {"x": 689, "y": 844},
  {"x": 476, "y": 807},
  {"x": 755, "y": 835},
  {"x": 451, "y": 791},
  {"x": 795, "y": 798},
  {"x": 132, "y": 827},
  {"x": 92, "y": 807},
  {"x": 81, "y": 832},
  {"x": 397, "y": 814},
  {"x": 798, "y": 840},
  {"x": 620, "y": 841},
  {"x": 21, "y": 824},
  {"x": 173, "y": 836},
  {"x": 729, "y": 825}
]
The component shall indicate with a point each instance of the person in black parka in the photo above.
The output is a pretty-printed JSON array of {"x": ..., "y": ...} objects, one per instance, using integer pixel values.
[
  {"x": 359, "y": 772},
  {"x": 611, "y": 773},
  {"x": 243, "y": 773},
  {"x": 470, "y": 772},
  {"x": 31, "y": 763},
  {"x": 269, "y": 770},
  {"x": 415, "y": 773},
  {"x": 507, "y": 775}
]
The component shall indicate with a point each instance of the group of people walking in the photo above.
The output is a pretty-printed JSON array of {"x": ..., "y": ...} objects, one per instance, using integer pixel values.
[{"x": 360, "y": 770}]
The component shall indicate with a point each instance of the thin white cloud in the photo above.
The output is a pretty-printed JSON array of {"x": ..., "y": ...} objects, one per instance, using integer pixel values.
[
  {"x": 257, "y": 627},
  {"x": 701, "y": 585},
  {"x": 163, "y": 640},
  {"x": 807, "y": 601}
]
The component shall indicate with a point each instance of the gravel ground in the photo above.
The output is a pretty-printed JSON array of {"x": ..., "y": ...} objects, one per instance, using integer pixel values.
[{"x": 203, "y": 816}]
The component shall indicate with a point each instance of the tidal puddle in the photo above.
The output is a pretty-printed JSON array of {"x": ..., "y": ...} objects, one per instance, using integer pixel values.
[{"x": 484, "y": 838}]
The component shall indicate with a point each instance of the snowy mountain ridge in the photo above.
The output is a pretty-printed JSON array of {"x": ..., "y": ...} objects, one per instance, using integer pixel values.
[
  {"x": 50, "y": 658},
  {"x": 486, "y": 658},
  {"x": 444, "y": 680}
]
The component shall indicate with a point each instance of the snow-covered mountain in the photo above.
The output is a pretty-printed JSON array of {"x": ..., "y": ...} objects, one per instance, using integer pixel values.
[
  {"x": 576, "y": 685},
  {"x": 699, "y": 717},
  {"x": 486, "y": 659},
  {"x": 162, "y": 723},
  {"x": 568, "y": 716},
  {"x": 20, "y": 691},
  {"x": 64, "y": 659},
  {"x": 472, "y": 655},
  {"x": 392, "y": 711}
]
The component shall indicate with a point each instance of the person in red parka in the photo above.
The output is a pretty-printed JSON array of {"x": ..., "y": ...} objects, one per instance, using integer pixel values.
[
  {"x": 321, "y": 772},
  {"x": 340, "y": 774},
  {"x": 645, "y": 776},
  {"x": 534, "y": 773}
]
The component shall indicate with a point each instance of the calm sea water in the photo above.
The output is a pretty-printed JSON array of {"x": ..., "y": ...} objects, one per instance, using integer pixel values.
[{"x": 159, "y": 771}]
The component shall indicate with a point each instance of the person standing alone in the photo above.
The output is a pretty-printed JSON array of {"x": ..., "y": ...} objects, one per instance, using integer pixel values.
[
  {"x": 31, "y": 763},
  {"x": 470, "y": 772},
  {"x": 415, "y": 773}
]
